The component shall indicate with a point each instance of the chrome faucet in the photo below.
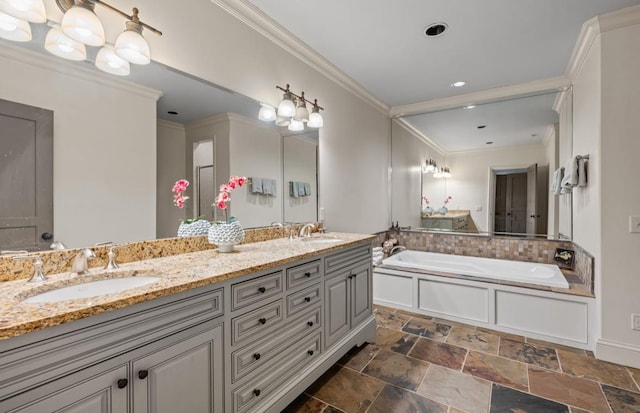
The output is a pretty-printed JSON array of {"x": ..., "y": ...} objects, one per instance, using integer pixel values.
[
  {"x": 38, "y": 275},
  {"x": 306, "y": 230},
  {"x": 397, "y": 248},
  {"x": 58, "y": 245},
  {"x": 277, "y": 224},
  {"x": 80, "y": 266}
]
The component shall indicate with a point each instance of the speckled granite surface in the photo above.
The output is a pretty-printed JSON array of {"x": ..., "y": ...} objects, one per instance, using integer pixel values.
[
  {"x": 452, "y": 213},
  {"x": 177, "y": 273}
]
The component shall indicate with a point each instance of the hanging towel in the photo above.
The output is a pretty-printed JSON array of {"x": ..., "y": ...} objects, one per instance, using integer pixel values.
[
  {"x": 557, "y": 180},
  {"x": 294, "y": 189},
  {"x": 269, "y": 187},
  {"x": 256, "y": 185},
  {"x": 570, "y": 179},
  {"x": 582, "y": 172},
  {"x": 307, "y": 188}
]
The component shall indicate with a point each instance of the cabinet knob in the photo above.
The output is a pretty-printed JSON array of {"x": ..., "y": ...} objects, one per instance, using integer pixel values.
[
  {"x": 257, "y": 356},
  {"x": 307, "y": 299},
  {"x": 307, "y": 274},
  {"x": 257, "y": 392},
  {"x": 122, "y": 383},
  {"x": 263, "y": 321},
  {"x": 262, "y": 290},
  {"x": 142, "y": 374},
  {"x": 310, "y": 323},
  {"x": 350, "y": 277},
  {"x": 310, "y": 352}
]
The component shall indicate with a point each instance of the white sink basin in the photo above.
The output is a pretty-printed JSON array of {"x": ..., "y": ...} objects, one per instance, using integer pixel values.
[
  {"x": 321, "y": 241},
  {"x": 91, "y": 289}
]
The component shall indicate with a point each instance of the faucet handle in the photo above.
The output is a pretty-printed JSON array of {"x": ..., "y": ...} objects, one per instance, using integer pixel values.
[
  {"x": 112, "y": 264},
  {"x": 38, "y": 275}
]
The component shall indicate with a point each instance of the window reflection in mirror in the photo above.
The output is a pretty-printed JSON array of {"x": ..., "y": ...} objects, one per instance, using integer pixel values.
[{"x": 488, "y": 149}]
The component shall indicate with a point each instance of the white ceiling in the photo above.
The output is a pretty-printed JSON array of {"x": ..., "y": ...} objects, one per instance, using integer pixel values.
[{"x": 489, "y": 43}]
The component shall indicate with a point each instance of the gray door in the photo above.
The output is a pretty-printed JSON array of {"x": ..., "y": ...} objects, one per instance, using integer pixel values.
[
  {"x": 360, "y": 297},
  {"x": 337, "y": 300},
  {"x": 26, "y": 177},
  {"x": 532, "y": 204}
]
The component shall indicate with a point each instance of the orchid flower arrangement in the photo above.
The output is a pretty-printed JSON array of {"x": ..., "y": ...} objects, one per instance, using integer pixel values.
[
  {"x": 426, "y": 200},
  {"x": 447, "y": 200},
  {"x": 224, "y": 197},
  {"x": 179, "y": 199}
]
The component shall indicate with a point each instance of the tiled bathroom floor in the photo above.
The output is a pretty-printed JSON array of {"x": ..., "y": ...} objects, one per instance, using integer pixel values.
[{"x": 422, "y": 364}]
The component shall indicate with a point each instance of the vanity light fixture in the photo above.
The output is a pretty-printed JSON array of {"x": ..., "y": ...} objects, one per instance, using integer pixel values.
[
  {"x": 292, "y": 111},
  {"x": 430, "y": 166},
  {"x": 446, "y": 172},
  {"x": 459, "y": 83},
  {"x": 80, "y": 26}
]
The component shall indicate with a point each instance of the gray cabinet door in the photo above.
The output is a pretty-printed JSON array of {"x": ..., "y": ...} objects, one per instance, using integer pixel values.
[
  {"x": 184, "y": 377},
  {"x": 337, "y": 317},
  {"x": 360, "y": 293},
  {"x": 104, "y": 393}
]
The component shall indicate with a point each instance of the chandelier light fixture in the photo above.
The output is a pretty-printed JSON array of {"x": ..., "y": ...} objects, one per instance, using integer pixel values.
[
  {"x": 80, "y": 27},
  {"x": 292, "y": 111}
]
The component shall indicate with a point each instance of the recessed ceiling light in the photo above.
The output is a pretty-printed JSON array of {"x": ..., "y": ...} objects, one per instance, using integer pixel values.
[
  {"x": 172, "y": 112},
  {"x": 470, "y": 106},
  {"x": 435, "y": 29},
  {"x": 481, "y": 126},
  {"x": 489, "y": 142},
  {"x": 459, "y": 83}
]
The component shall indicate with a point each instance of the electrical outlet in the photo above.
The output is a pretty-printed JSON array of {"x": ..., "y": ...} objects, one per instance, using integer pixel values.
[
  {"x": 634, "y": 224},
  {"x": 635, "y": 322}
]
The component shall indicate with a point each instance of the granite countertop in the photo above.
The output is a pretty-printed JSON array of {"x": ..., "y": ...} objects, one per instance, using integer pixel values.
[{"x": 177, "y": 273}]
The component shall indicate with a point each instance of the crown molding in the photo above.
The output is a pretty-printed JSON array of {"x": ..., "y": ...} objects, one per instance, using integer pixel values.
[
  {"x": 628, "y": 16},
  {"x": 210, "y": 121},
  {"x": 74, "y": 70},
  {"x": 167, "y": 124},
  {"x": 415, "y": 132},
  {"x": 495, "y": 149},
  {"x": 588, "y": 34},
  {"x": 484, "y": 96},
  {"x": 269, "y": 28}
]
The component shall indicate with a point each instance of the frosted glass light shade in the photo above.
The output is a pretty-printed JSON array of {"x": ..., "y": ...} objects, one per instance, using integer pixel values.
[
  {"x": 108, "y": 61},
  {"x": 83, "y": 25},
  {"x": 286, "y": 107},
  {"x": 296, "y": 125},
  {"x": 315, "y": 120},
  {"x": 282, "y": 121},
  {"x": 14, "y": 29},
  {"x": 132, "y": 47},
  {"x": 267, "y": 113},
  {"x": 302, "y": 114},
  {"x": 29, "y": 10},
  {"x": 61, "y": 45}
]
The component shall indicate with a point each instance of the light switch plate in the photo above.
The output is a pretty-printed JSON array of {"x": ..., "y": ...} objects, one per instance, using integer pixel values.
[
  {"x": 634, "y": 224},
  {"x": 635, "y": 322}
]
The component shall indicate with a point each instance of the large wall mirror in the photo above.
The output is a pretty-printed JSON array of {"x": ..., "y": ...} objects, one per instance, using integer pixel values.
[
  {"x": 118, "y": 149},
  {"x": 489, "y": 165}
]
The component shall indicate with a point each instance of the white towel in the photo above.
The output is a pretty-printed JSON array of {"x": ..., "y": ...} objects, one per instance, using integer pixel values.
[
  {"x": 269, "y": 187},
  {"x": 307, "y": 188},
  {"x": 570, "y": 179},
  {"x": 582, "y": 172},
  {"x": 557, "y": 180}
]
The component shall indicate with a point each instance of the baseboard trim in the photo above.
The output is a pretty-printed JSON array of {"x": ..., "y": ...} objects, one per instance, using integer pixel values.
[{"x": 618, "y": 353}]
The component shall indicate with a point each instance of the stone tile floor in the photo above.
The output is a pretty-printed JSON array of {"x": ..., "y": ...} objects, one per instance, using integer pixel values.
[{"x": 423, "y": 364}]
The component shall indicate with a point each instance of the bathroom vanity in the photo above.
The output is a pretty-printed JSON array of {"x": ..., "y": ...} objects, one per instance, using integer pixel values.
[{"x": 240, "y": 332}]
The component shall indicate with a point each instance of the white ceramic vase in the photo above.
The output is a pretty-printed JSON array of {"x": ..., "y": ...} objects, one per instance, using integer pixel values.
[
  {"x": 199, "y": 227},
  {"x": 226, "y": 236}
]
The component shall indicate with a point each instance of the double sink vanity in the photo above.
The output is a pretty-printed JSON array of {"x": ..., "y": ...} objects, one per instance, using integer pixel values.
[{"x": 196, "y": 332}]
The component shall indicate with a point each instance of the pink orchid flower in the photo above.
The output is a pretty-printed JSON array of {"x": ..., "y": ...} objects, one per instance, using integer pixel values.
[
  {"x": 179, "y": 200},
  {"x": 221, "y": 204},
  {"x": 180, "y": 186}
]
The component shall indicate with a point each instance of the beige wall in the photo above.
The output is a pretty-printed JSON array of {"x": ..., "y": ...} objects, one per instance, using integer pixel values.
[
  {"x": 104, "y": 175},
  {"x": 171, "y": 160},
  {"x": 300, "y": 159}
]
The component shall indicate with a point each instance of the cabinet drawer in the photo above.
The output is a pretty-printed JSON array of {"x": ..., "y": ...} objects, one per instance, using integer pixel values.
[
  {"x": 346, "y": 258},
  {"x": 247, "y": 397},
  {"x": 257, "y": 322},
  {"x": 255, "y": 355},
  {"x": 252, "y": 291},
  {"x": 303, "y": 300},
  {"x": 303, "y": 274}
]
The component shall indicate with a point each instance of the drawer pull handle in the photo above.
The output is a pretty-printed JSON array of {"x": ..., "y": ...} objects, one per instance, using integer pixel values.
[
  {"x": 122, "y": 383},
  {"x": 307, "y": 274},
  {"x": 310, "y": 323},
  {"x": 262, "y": 290},
  {"x": 350, "y": 277},
  {"x": 307, "y": 299},
  {"x": 142, "y": 374},
  {"x": 263, "y": 321},
  {"x": 310, "y": 352},
  {"x": 257, "y": 356},
  {"x": 257, "y": 392}
]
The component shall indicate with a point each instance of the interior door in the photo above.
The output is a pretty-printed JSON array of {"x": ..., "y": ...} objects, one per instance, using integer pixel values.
[
  {"x": 26, "y": 177},
  {"x": 532, "y": 205}
]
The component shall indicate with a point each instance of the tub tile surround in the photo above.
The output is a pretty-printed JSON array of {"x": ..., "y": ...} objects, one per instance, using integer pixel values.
[
  {"x": 526, "y": 375},
  {"x": 542, "y": 251},
  {"x": 60, "y": 261},
  {"x": 178, "y": 273}
]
